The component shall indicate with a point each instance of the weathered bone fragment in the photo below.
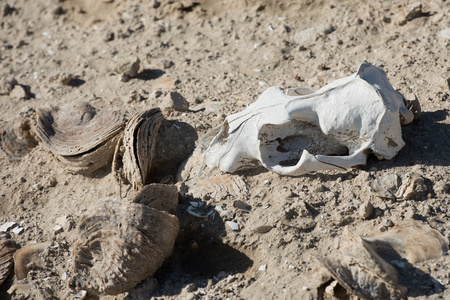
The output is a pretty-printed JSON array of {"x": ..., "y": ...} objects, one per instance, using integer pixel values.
[{"x": 335, "y": 127}]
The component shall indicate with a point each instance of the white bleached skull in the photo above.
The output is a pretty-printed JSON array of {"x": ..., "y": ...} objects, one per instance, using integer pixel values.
[{"x": 335, "y": 127}]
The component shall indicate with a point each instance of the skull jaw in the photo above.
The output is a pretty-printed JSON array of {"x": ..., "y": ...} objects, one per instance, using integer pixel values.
[{"x": 310, "y": 163}]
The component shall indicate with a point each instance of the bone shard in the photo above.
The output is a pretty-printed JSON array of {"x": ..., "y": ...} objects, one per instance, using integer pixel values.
[{"x": 302, "y": 131}]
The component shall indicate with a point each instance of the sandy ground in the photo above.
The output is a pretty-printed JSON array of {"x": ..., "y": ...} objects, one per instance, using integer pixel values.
[{"x": 220, "y": 56}]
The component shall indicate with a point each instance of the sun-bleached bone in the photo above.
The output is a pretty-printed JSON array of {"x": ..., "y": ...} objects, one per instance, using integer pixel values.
[{"x": 335, "y": 127}]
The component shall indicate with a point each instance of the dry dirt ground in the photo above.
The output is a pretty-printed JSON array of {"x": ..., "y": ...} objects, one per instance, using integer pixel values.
[{"x": 220, "y": 55}]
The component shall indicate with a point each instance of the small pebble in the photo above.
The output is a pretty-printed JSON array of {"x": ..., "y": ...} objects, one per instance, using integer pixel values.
[
  {"x": 7, "y": 226},
  {"x": 57, "y": 229},
  {"x": 382, "y": 228},
  {"x": 66, "y": 79},
  {"x": 366, "y": 210},
  {"x": 17, "y": 230},
  {"x": 233, "y": 225},
  {"x": 7, "y": 85},
  {"x": 389, "y": 223},
  {"x": 262, "y": 267},
  {"x": 242, "y": 206},
  {"x": 329, "y": 29},
  {"x": 174, "y": 102},
  {"x": 227, "y": 215},
  {"x": 446, "y": 33},
  {"x": 20, "y": 92},
  {"x": 190, "y": 287}
]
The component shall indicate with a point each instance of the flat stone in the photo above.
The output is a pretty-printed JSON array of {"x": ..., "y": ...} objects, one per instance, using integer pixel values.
[
  {"x": 174, "y": 102},
  {"x": 366, "y": 210},
  {"x": 20, "y": 92},
  {"x": 446, "y": 33},
  {"x": 233, "y": 225},
  {"x": 7, "y": 226},
  {"x": 7, "y": 85},
  {"x": 17, "y": 230}
]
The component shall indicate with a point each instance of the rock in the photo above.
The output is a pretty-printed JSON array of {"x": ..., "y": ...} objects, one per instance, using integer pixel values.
[
  {"x": 7, "y": 226},
  {"x": 304, "y": 37},
  {"x": 413, "y": 104},
  {"x": 155, "y": 3},
  {"x": 401, "y": 187},
  {"x": 7, "y": 85},
  {"x": 366, "y": 210},
  {"x": 241, "y": 205},
  {"x": 446, "y": 33},
  {"x": 413, "y": 186},
  {"x": 441, "y": 187},
  {"x": 167, "y": 64},
  {"x": 8, "y": 10},
  {"x": 128, "y": 68},
  {"x": 233, "y": 225},
  {"x": 174, "y": 102},
  {"x": 17, "y": 230},
  {"x": 329, "y": 29},
  {"x": 135, "y": 96},
  {"x": 262, "y": 229},
  {"x": 412, "y": 12},
  {"x": 20, "y": 92},
  {"x": 57, "y": 229},
  {"x": 62, "y": 222},
  {"x": 226, "y": 215},
  {"x": 108, "y": 36},
  {"x": 66, "y": 79}
]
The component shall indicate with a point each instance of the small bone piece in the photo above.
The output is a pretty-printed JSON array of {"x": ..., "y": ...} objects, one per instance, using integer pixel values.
[{"x": 333, "y": 128}]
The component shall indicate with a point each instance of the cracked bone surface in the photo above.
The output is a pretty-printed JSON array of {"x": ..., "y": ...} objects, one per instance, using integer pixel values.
[{"x": 302, "y": 131}]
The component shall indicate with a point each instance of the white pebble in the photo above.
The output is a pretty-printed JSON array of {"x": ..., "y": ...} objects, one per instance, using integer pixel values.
[
  {"x": 218, "y": 208},
  {"x": 57, "y": 229},
  {"x": 262, "y": 267},
  {"x": 233, "y": 225},
  {"x": 17, "y": 230},
  {"x": 446, "y": 33},
  {"x": 7, "y": 226}
]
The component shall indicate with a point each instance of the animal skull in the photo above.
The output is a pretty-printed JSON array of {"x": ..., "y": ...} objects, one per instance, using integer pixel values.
[{"x": 302, "y": 131}]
